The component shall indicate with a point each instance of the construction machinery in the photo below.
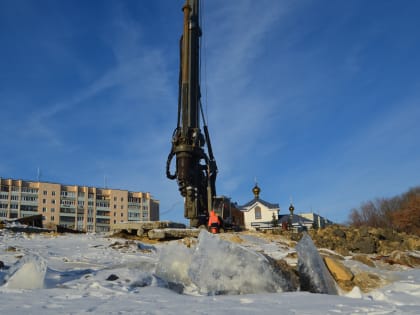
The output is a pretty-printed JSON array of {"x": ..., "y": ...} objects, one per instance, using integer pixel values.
[{"x": 196, "y": 168}]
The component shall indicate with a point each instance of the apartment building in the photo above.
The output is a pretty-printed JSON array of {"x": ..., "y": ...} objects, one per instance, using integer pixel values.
[{"x": 82, "y": 208}]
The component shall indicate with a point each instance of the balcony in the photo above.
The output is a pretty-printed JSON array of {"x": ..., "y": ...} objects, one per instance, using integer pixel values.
[
  {"x": 102, "y": 217},
  {"x": 29, "y": 208},
  {"x": 29, "y": 202},
  {"x": 68, "y": 215},
  {"x": 27, "y": 214},
  {"x": 73, "y": 207},
  {"x": 67, "y": 210},
  {"x": 64, "y": 219},
  {"x": 29, "y": 191},
  {"x": 100, "y": 221},
  {"x": 106, "y": 209},
  {"x": 68, "y": 194}
]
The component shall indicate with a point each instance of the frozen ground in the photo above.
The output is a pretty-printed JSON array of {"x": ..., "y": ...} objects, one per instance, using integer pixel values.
[{"x": 95, "y": 274}]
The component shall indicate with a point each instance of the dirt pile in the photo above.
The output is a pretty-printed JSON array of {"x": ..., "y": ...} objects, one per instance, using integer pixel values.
[{"x": 364, "y": 240}]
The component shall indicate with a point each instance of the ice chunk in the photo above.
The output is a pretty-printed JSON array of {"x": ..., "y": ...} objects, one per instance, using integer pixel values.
[
  {"x": 314, "y": 276},
  {"x": 174, "y": 261},
  {"x": 27, "y": 273},
  {"x": 221, "y": 267},
  {"x": 216, "y": 266}
]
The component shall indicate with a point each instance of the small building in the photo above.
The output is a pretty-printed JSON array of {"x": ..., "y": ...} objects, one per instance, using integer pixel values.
[
  {"x": 295, "y": 223},
  {"x": 258, "y": 213},
  {"x": 318, "y": 221},
  {"x": 302, "y": 221}
]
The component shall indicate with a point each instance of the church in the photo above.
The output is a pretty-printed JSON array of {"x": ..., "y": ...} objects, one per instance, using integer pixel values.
[{"x": 258, "y": 213}]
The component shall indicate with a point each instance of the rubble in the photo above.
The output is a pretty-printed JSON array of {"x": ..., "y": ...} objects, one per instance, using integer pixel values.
[
  {"x": 338, "y": 270},
  {"x": 408, "y": 259},
  {"x": 363, "y": 240},
  {"x": 142, "y": 228},
  {"x": 365, "y": 259},
  {"x": 368, "y": 281},
  {"x": 342, "y": 275},
  {"x": 165, "y": 234}
]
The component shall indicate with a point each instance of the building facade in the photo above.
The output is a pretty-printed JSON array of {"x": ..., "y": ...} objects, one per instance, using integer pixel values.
[
  {"x": 318, "y": 221},
  {"x": 81, "y": 208}
]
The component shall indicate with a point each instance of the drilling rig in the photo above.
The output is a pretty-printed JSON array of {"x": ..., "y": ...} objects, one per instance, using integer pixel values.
[{"x": 196, "y": 169}]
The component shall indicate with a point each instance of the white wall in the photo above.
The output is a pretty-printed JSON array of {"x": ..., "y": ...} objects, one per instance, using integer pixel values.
[{"x": 266, "y": 215}]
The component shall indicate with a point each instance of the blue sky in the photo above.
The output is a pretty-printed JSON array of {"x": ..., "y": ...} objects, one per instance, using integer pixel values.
[{"x": 317, "y": 100}]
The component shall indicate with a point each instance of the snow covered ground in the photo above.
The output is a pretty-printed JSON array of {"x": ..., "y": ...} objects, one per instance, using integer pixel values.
[{"x": 96, "y": 274}]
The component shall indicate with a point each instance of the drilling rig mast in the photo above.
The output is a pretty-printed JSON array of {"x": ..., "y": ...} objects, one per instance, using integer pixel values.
[{"x": 196, "y": 170}]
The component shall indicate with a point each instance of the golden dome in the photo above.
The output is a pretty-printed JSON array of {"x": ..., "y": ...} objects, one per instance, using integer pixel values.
[
  {"x": 256, "y": 190},
  {"x": 291, "y": 209}
]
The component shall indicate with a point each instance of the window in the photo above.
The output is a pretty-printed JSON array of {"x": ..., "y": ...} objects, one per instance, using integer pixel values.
[
  {"x": 257, "y": 213},
  {"x": 44, "y": 201},
  {"x": 53, "y": 201},
  {"x": 122, "y": 214},
  {"x": 115, "y": 206},
  {"x": 53, "y": 193},
  {"x": 115, "y": 198},
  {"x": 52, "y": 209},
  {"x": 45, "y": 192},
  {"x": 122, "y": 207},
  {"x": 44, "y": 209},
  {"x": 122, "y": 199},
  {"x": 52, "y": 218}
]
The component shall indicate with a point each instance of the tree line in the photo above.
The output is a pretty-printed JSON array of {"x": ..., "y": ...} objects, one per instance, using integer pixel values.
[{"x": 400, "y": 213}]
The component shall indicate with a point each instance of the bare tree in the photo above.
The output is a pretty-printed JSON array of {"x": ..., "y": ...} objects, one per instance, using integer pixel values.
[{"x": 401, "y": 212}]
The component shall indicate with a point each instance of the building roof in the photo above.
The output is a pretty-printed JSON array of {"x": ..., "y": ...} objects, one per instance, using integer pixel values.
[{"x": 269, "y": 205}]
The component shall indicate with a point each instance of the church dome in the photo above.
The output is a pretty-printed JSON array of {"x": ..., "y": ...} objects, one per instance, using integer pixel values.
[{"x": 256, "y": 190}]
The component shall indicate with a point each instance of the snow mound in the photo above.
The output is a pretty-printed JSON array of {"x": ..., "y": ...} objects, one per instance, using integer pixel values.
[
  {"x": 27, "y": 273},
  {"x": 314, "y": 275},
  {"x": 216, "y": 267}
]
